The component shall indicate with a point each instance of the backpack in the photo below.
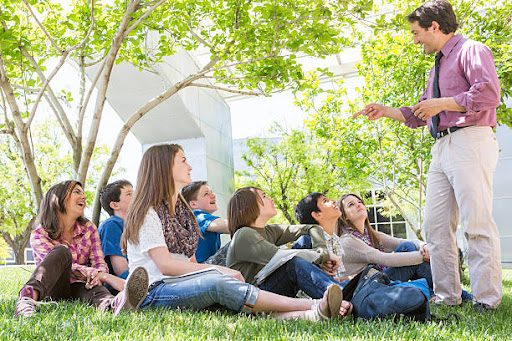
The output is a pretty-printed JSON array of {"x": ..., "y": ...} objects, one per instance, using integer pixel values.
[{"x": 375, "y": 295}]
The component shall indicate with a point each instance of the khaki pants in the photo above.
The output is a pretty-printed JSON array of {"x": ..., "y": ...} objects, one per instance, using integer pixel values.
[{"x": 460, "y": 179}]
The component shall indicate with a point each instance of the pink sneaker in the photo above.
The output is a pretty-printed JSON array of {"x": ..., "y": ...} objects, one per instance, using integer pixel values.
[
  {"x": 135, "y": 291},
  {"x": 26, "y": 305}
]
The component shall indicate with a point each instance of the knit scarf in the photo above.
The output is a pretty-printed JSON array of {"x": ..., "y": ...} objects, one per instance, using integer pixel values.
[{"x": 181, "y": 231}]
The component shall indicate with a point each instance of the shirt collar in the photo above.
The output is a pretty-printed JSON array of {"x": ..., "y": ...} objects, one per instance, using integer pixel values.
[
  {"x": 328, "y": 237},
  {"x": 200, "y": 212},
  {"x": 450, "y": 44},
  {"x": 80, "y": 229},
  {"x": 116, "y": 218}
]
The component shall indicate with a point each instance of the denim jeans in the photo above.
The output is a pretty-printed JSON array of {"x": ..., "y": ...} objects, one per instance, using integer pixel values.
[
  {"x": 410, "y": 272},
  {"x": 202, "y": 292},
  {"x": 304, "y": 242},
  {"x": 298, "y": 274},
  {"x": 402, "y": 273}
]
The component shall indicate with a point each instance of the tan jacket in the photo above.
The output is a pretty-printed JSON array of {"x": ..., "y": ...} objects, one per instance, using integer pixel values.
[{"x": 356, "y": 254}]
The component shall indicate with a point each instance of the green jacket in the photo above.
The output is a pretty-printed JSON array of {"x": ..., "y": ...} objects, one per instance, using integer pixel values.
[{"x": 252, "y": 248}]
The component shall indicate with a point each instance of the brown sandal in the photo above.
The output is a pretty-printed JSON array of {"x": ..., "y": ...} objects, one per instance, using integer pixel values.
[{"x": 334, "y": 300}]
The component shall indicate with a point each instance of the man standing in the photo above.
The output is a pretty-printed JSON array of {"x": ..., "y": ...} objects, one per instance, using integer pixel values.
[{"x": 459, "y": 107}]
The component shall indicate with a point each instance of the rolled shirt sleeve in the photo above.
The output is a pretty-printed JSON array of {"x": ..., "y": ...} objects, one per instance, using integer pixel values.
[{"x": 478, "y": 66}]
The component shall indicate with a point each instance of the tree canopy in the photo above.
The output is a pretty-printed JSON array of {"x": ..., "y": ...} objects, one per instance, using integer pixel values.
[
  {"x": 383, "y": 154},
  {"x": 251, "y": 48}
]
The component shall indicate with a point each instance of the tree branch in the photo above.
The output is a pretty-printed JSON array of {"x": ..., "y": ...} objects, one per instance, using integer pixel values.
[
  {"x": 8, "y": 239},
  {"x": 149, "y": 3},
  {"x": 89, "y": 31},
  {"x": 240, "y": 92},
  {"x": 62, "y": 60},
  {"x": 25, "y": 88},
  {"x": 202, "y": 41},
  {"x": 116, "y": 149},
  {"x": 45, "y": 85},
  {"x": 105, "y": 73},
  {"x": 416, "y": 230},
  {"x": 300, "y": 19},
  {"x": 94, "y": 62},
  {"x": 66, "y": 125},
  {"x": 207, "y": 67},
  {"x": 43, "y": 28},
  {"x": 24, "y": 144},
  {"x": 143, "y": 17}
]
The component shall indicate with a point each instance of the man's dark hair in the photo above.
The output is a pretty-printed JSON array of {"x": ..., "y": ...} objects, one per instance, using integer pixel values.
[
  {"x": 439, "y": 11},
  {"x": 190, "y": 192},
  {"x": 306, "y": 206},
  {"x": 111, "y": 192}
]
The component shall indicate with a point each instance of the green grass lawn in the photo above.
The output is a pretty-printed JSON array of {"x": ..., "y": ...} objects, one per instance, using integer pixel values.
[{"x": 75, "y": 321}]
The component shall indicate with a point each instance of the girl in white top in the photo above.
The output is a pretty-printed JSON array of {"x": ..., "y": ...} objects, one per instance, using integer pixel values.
[{"x": 161, "y": 234}]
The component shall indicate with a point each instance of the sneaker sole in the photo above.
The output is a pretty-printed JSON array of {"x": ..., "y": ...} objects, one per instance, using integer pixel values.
[{"x": 136, "y": 288}]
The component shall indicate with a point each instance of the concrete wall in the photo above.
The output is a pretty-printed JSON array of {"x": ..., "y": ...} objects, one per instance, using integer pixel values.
[
  {"x": 197, "y": 118},
  {"x": 502, "y": 209}
]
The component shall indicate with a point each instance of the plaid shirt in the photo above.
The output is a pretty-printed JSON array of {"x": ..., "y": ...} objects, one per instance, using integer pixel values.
[
  {"x": 334, "y": 245},
  {"x": 85, "y": 248}
]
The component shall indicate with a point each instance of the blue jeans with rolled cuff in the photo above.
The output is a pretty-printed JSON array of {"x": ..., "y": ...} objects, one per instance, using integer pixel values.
[{"x": 203, "y": 292}]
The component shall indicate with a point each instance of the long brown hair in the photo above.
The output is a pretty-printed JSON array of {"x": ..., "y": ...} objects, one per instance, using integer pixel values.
[
  {"x": 53, "y": 203},
  {"x": 155, "y": 185},
  {"x": 243, "y": 208},
  {"x": 343, "y": 225}
]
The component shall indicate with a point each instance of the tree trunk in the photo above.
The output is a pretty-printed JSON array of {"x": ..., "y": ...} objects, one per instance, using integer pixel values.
[
  {"x": 22, "y": 138},
  {"x": 19, "y": 243},
  {"x": 102, "y": 91},
  {"x": 415, "y": 229},
  {"x": 19, "y": 254}
]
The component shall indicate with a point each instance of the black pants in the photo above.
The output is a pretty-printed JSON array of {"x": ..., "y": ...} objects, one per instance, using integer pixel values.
[{"x": 51, "y": 280}]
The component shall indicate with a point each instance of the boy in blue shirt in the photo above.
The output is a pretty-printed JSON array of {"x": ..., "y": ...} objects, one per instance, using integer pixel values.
[
  {"x": 115, "y": 198},
  {"x": 203, "y": 203}
]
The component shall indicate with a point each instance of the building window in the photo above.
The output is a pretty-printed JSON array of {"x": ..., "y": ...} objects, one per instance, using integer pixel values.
[{"x": 394, "y": 226}]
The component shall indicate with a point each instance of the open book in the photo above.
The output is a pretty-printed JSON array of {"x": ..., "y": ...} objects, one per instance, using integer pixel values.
[
  {"x": 281, "y": 257},
  {"x": 190, "y": 275}
]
